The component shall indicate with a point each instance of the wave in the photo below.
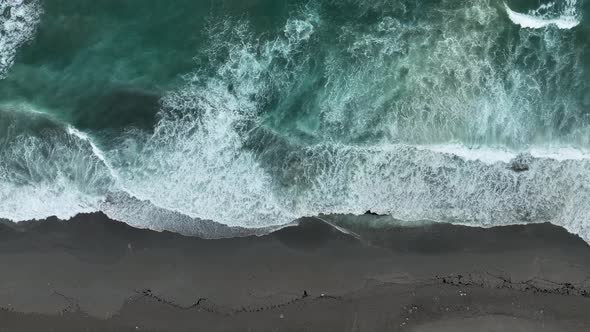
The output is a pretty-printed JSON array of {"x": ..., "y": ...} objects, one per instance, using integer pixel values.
[
  {"x": 409, "y": 183},
  {"x": 44, "y": 170},
  {"x": 567, "y": 18},
  {"x": 490, "y": 155},
  {"x": 18, "y": 21},
  {"x": 96, "y": 151},
  {"x": 329, "y": 115}
]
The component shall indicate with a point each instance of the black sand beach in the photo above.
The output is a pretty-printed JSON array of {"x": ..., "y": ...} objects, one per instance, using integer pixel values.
[{"x": 95, "y": 274}]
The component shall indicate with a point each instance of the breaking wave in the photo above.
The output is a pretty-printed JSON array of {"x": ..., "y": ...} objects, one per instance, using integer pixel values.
[
  {"x": 18, "y": 20},
  {"x": 564, "y": 17},
  {"x": 443, "y": 115}
]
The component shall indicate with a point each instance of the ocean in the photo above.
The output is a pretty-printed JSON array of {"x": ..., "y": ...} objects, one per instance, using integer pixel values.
[{"x": 255, "y": 113}]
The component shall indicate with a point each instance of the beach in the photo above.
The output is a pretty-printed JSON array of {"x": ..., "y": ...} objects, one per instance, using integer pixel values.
[
  {"x": 294, "y": 165},
  {"x": 95, "y": 274}
]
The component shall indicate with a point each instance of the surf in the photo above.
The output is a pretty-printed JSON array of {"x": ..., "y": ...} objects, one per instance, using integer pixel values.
[
  {"x": 566, "y": 19},
  {"x": 441, "y": 111},
  {"x": 18, "y": 22}
]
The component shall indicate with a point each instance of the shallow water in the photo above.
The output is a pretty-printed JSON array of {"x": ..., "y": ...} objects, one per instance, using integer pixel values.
[{"x": 254, "y": 113}]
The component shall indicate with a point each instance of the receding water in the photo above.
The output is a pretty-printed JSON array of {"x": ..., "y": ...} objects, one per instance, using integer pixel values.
[{"x": 254, "y": 113}]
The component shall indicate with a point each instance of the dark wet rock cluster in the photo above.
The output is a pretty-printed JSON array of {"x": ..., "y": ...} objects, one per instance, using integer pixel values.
[{"x": 521, "y": 163}]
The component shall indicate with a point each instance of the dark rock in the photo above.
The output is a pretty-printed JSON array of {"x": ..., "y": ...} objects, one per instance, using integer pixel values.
[{"x": 521, "y": 163}]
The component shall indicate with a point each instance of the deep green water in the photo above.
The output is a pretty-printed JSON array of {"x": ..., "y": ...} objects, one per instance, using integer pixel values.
[{"x": 254, "y": 113}]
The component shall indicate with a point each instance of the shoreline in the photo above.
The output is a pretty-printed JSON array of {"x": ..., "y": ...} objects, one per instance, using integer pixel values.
[{"x": 93, "y": 272}]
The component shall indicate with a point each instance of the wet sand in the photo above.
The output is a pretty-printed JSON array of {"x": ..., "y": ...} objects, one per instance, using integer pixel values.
[{"x": 95, "y": 274}]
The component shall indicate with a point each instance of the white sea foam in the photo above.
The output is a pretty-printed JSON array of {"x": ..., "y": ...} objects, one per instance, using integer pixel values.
[
  {"x": 95, "y": 149},
  {"x": 445, "y": 77},
  {"x": 439, "y": 183},
  {"x": 18, "y": 21},
  {"x": 566, "y": 19},
  {"x": 416, "y": 184},
  {"x": 560, "y": 153},
  {"x": 487, "y": 155},
  {"x": 38, "y": 201},
  {"x": 202, "y": 161},
  {"x": 41, "y": 177},
  {"x": 490, "y": 155},
  {"x": 50, "y": 172},
  {"x": 195, "y": 164}
]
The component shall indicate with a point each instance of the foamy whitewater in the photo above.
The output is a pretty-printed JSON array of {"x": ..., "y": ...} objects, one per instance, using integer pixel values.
[
  {"x": 550, "y": 13},
  {"x": 472, "y": 112},
  {"x": 17, "y": 24}
]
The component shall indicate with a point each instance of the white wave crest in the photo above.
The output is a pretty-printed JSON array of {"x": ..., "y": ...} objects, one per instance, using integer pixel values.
[
  {"x": 490, "y": 155},
  {"x": 540, "y": 18},
  {"x": 95, "y": 149}
]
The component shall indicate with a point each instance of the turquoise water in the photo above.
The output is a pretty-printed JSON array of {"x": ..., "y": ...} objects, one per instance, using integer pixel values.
[{"x": 254, "y": 113}]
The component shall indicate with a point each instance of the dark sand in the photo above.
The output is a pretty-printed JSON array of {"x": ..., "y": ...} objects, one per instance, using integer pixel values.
[{"x": 94, "y": 274}]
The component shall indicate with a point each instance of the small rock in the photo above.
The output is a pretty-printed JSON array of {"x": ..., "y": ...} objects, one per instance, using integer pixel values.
[{"x": 521, "y": 163}]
